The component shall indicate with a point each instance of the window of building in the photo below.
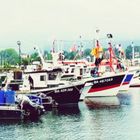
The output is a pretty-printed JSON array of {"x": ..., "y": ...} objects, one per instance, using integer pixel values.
[{"x": 42, "y": 77}]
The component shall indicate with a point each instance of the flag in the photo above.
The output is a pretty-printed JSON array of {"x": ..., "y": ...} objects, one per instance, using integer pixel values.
[
  {"x": 73, "y": 48},
  {"x": 109, "y": 35},
  {"x": 97, "y": 30}
]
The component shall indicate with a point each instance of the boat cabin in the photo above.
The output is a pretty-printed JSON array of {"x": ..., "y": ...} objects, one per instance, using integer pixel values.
[{"x": 25, "y": 81}]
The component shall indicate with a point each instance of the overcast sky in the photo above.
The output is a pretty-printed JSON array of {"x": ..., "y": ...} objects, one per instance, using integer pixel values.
[{"x": 39, "y": 21}]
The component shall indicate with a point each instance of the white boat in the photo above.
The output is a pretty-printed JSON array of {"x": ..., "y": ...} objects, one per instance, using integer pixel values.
[
  {"x": 135, "y": 82},
  {"x": 48, "y": 82},
  {"x": 103, "y": 86}
]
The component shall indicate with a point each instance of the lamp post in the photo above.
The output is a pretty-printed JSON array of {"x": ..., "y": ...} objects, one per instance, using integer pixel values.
[
  {"x": 19, "y": 43},
  {"x": 133, "y": 51}
]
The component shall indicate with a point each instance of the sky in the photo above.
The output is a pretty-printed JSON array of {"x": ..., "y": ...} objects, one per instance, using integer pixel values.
[{"x": 39, "y": 22}]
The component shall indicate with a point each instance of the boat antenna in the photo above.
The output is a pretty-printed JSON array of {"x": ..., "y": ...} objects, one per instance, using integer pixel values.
[{"x": 79, "y": 49}]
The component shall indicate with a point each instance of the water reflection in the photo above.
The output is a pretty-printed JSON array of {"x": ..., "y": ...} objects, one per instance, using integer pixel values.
[
  {"x": 117, "y": 119},
  {"x": 102, "y": 102},
  {"x": 10, "y": 122},
  {"x": 109, "y": 102},
  {"x": 66, "y": 110},
  {"x": 19, "y": 121},
  {"x": 125, "y": 98}
]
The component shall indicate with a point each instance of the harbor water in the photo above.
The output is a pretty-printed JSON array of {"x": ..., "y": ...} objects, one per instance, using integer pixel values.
[{"x": 82, "y": 122}]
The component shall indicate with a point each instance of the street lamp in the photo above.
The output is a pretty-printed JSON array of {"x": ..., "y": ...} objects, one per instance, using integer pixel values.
[
  {"x": 133, "y": 50},
  {"x": 19, "y": 43}
]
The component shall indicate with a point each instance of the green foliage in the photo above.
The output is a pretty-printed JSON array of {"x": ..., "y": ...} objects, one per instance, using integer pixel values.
[
  {"x": 9, "y": 57},
  {"x": 87, "y": 52},
  {"x": 47, "y": 55},
  {"x": 71, "y": 55},
  {"x": 128, "y": 52},
  {"x": 66, "y": 54},
  {"x": 26, "y": 61},
  {"x": 35, "y": 57}
]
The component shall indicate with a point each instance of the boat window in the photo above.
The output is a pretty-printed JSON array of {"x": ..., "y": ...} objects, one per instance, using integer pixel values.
[
  {"x": 84, "y": 70},
  {"x": 67, "y": 70},
  {"x": 87, "y": 70},
  {"x": 72, "y": 70},
  {"x": 52, "y": 76},
  {"x": 42, "y": 77},
  {"x": 2, "y": 79},
  {"x": 17, "y": 75},
  {"x": 81, "y": 71}
]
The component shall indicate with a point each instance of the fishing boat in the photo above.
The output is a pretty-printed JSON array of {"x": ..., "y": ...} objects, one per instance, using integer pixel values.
[
  {"x": 48, "y": 82},
  {"x": 103, "y": 91},
  {"x": 136, "y": 80},
  {"x": 107, "y": 83},
  {"x": 10, "y": 108},
  {"x": 103, "y": 86}
]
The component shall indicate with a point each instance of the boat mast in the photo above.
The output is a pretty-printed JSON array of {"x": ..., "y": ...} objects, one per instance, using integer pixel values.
[
  {"x": 110, "y": 56},
  {"x": 111, "y": 52},
  {"x": 96, "y": 40}
]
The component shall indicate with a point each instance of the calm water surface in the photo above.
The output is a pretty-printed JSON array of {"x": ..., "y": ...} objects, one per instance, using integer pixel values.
[{"x": 82, "y": 123}]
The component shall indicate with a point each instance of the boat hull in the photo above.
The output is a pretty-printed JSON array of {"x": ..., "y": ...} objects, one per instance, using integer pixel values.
[
  {"x": 102, "y": 102},
  {"x": 126, "y": 83},
  {"x": 63, "y": 95},
  {"x": 15, "y": 113},
  {"x": 103, "y": 86},
  {"x": 135, "y": 82}
]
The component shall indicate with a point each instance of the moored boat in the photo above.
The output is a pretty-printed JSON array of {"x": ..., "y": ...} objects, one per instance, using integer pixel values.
[
  {"x": 103, "y": 86},
  {"x": 11, "y": 109},
  {"x": 136, "y": 80},
  {"x": 48, "y": 82}
]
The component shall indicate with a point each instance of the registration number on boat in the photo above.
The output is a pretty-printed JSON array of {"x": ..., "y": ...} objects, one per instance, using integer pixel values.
[
  {"x": 63, "y": 90},
  {"x": 103, "y": 80}
]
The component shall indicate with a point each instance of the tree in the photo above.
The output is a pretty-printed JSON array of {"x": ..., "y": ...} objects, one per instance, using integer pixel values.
[
  {"x": 47, "y": 55},
  {"x": 35, "y": 57},
  {"x": 66, "y": 54},
  {"x": 71, "y": 55},
  {"x": 87, "y": 52},
  {"x": 26, "y": 61},
  {"x": 9, "y": 57},
  {"x": 128, "y": 52}
]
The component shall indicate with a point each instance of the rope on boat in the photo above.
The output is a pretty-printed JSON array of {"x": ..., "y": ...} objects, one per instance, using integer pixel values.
[{"x": 75, "y": 87}]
